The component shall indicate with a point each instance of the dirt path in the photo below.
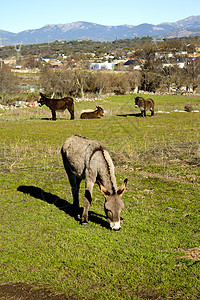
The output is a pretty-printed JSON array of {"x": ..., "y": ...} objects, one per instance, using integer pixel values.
[
  {"x": 23, "y": 291},
  {"x": 193, "y": 253}
]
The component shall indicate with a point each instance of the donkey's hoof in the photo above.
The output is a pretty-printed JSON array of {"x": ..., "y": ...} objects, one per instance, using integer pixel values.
[{"x": 84, "y": 223}]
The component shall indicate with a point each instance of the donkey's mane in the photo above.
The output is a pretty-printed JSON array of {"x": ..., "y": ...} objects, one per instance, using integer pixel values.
[
  {"x": 106, "y": 156},
  {"x": 107, "y": 159}
]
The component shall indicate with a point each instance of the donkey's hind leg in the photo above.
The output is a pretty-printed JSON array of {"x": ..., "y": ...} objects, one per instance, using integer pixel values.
[
  {"x": 53, "y": 114},
  {"x": 87, "y": 200},
  {"x": 75, "y": 186},
  {"x": 71, "y": 111}
]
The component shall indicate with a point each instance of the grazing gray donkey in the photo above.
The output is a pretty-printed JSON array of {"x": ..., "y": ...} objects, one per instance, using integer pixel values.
[{"x": 88, "y": 159}]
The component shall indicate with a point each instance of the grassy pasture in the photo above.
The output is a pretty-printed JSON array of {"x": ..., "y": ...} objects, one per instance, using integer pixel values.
[{"x": 156, "y": 253}]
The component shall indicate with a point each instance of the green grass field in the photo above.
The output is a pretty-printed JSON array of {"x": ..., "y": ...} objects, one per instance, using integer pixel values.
[{"x": 156, "y": 254}]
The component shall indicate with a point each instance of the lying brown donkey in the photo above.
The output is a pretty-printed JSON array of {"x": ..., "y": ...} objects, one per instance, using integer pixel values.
[{"x": 93, "y": 114}]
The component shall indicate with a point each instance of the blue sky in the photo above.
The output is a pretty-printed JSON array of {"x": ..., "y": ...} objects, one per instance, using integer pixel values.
[{"x": 19, "y": 15}]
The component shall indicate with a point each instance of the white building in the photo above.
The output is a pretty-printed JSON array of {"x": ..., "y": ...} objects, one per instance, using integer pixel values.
[{"x": 103, "y": 65}]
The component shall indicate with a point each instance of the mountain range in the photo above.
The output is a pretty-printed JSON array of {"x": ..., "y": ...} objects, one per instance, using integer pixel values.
[{"x": 96, "y": 32}]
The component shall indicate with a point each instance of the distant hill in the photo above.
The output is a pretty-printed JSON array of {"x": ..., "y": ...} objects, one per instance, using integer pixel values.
[{"x": 96, "y": 32}]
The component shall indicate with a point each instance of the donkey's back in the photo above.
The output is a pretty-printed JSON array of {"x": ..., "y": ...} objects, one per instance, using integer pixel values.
[
  {"x": 78, "y": 154},
  {"x": 88, "y": 159}
]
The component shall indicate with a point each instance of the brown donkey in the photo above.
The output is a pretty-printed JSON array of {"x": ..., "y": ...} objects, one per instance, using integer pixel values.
[
  {"x": 58, "y": 105},
  {"x": 93, "y": 114},
  {"x": 144, "y": 105}
]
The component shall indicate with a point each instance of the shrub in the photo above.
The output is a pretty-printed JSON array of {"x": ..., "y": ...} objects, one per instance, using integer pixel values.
[{"x": 188, "y": 107}]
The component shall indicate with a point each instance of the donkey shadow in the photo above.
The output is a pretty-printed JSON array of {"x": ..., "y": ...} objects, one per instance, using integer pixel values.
[
  {"x": 130, "y": 115},
  {"x": 137, "y": 115},
  {"x": 62, "y": 204}
]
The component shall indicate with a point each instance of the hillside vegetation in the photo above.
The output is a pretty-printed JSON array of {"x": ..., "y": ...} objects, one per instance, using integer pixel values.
[{"x": 54, "y": 49}]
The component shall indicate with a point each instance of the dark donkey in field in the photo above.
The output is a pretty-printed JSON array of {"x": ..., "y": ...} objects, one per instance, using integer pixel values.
[
  {"x": 93, "y": 114},
  {"x": 144, "y": 105},
  {"x": 58, "y": 105},
  {"x": 88, "y": 159}
]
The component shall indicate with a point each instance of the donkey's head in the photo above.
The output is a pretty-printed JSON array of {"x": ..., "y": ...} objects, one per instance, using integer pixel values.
[
  {"x": 113, "y": 204},
  {"x": 42, "y": 100},
  {"x": 100, "y": 110},
  {"x": 139, "y": 101}
]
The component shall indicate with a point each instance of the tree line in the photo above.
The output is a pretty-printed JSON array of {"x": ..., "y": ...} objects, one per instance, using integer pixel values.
[{"x": 79, "y": 82}]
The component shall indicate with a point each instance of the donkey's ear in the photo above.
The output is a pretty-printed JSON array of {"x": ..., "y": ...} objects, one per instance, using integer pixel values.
[
  {"x": 121, "y": 190},
  {"x": 103, "y": 189}
]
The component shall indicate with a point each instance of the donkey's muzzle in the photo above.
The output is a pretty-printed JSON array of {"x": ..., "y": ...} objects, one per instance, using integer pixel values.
[{"x": 115, "y": 226}]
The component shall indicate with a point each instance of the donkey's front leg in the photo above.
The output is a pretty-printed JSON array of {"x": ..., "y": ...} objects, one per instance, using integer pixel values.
[{"x": 87, "y": 201}]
